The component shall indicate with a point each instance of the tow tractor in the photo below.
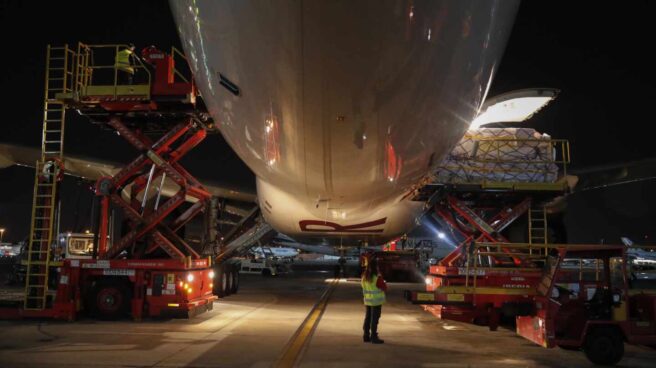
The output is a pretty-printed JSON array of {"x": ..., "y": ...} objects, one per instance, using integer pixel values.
[{"x": 586, "y": 301}]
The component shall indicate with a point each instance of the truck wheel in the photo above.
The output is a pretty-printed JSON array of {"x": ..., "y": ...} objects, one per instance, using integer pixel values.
[
  {"x": 230, "y": 280},
  {"x": 604, "y": 346},
  {"x": 111, "y": 301},
  {"x": 235, "y": 282},
  {"x": 221, "y": 281},
  {"x": 266, "y": 272}
]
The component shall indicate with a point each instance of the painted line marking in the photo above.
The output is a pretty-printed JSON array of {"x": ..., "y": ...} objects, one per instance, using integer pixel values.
[{"x": 298, "y": 343}]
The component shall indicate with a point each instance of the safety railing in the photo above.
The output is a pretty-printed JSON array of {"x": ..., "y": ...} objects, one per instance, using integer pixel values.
[
  {"x": 588, "y": 267},
  {"x": 178, "y": 55},
  {"x": 96, "y": 66}
]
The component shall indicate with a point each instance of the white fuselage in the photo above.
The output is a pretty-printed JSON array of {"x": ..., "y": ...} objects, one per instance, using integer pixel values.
[{"x": 344, "y": 107}]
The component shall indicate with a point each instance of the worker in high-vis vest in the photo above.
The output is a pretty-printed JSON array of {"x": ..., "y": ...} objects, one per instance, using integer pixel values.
[
  {"x": 373, "y": 290},
  {"x": 124, "y": 67}
]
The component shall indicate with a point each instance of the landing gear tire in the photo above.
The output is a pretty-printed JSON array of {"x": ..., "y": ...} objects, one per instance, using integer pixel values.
[
  {"x": 111, "y": 301},
  {"x": 604, "y": 346},
  {"x": 235, "y": 282}
]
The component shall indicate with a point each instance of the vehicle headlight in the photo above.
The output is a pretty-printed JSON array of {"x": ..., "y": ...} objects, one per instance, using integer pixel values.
[
  {"x": 190, "y": 278},
  {"x": 211, "y": 274}
]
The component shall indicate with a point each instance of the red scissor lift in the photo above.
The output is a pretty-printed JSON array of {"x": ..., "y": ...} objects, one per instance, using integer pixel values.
[
  {"x": 150, "y": 270},
  {"x": 479, "y": 285}
]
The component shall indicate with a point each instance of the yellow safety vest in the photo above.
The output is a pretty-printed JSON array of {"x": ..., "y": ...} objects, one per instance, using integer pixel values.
[
  {"x": 373, "y": 296},
  {"x": 123, "y": 61}
]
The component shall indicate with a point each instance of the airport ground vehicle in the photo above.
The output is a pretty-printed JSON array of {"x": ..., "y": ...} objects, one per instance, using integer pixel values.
[
  {"x": 585, "y": 300},
  {"x": 150, "y": 270},
  {"x": 399, "y": 265},
  {"x": 264, "y": 266}
]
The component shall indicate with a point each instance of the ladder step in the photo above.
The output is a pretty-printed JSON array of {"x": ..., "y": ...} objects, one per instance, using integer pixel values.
[
  {"x": 36, "y": 286},
  {"x": 59, "y": 141},
  {"x": 36, "y": 274},
  {"x": 53, "y": 131}
]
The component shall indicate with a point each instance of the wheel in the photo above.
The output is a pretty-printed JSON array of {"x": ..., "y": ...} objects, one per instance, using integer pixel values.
[
  {"x": 604, "y": 346},
  {"x": 235, "y": 282},
  {"x": 230, "y": 280},
  {"x": 111, "y": 301},
  {"x": 220, "y": 283},
  {"x": 266, "y": 272}
]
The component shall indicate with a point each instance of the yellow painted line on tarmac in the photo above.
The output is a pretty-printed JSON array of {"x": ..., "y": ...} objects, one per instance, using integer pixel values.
[{"x": 297, "y": 344}]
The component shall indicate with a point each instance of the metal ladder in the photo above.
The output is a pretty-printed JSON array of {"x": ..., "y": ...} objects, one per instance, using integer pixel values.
[
  {"x": 58, "y": 79},
  {"x": 537, "y": 228}
]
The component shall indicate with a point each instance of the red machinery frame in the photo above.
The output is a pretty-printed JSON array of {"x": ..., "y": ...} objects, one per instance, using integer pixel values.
[{"x": 131, "y": 272}]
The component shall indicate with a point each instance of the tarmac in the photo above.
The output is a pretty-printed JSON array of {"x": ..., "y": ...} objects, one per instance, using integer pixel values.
[{"x": 268, "y": 319}]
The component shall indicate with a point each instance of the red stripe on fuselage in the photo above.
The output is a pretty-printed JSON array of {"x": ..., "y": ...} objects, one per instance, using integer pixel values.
[{"x": 332, "y": 227}]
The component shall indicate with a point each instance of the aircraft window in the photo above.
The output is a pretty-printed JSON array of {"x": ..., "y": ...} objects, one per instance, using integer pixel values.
[{"x": 227, "y": 83}]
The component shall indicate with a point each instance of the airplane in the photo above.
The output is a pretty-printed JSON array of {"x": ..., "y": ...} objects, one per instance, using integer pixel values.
[
  {"x": 343, "y": 109},
  {"x": 344, "y": 121}
]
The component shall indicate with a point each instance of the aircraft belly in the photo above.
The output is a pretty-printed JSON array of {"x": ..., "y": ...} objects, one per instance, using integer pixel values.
[{"x": 343, "y": 106}]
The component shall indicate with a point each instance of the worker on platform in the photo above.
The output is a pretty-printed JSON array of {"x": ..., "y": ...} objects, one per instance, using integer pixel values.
[
  {"x": 373, "y": 290},
  {"x": 124, "y": 66}
]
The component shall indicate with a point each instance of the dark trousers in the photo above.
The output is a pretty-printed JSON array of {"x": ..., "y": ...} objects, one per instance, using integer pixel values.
[
  {"x": 371, "y": 318},
  {"x": 125, "y": 78}
]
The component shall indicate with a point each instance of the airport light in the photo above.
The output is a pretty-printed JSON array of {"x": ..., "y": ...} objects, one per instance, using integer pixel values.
[
  {"x": 2, "y": 234},
  {"x": 513, "y": 107}
]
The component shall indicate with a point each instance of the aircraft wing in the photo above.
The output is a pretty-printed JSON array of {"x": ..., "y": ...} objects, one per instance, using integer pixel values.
[
  {"x": 614, "y": 174},
  {"x": 93, "y": 169}
]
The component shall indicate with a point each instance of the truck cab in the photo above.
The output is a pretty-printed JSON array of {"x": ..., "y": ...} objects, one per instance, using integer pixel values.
[
  {"x": 587, "y": 301},
  {"x": 73, "y": 246}
]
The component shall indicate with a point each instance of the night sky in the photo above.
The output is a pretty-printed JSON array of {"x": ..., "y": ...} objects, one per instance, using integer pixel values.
[{"x": 594, "y": 52}]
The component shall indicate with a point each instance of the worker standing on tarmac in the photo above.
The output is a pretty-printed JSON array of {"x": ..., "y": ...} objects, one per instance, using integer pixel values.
[
  {"x": 124, "y": 65},
  {"x": 373, "y": 290}
]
